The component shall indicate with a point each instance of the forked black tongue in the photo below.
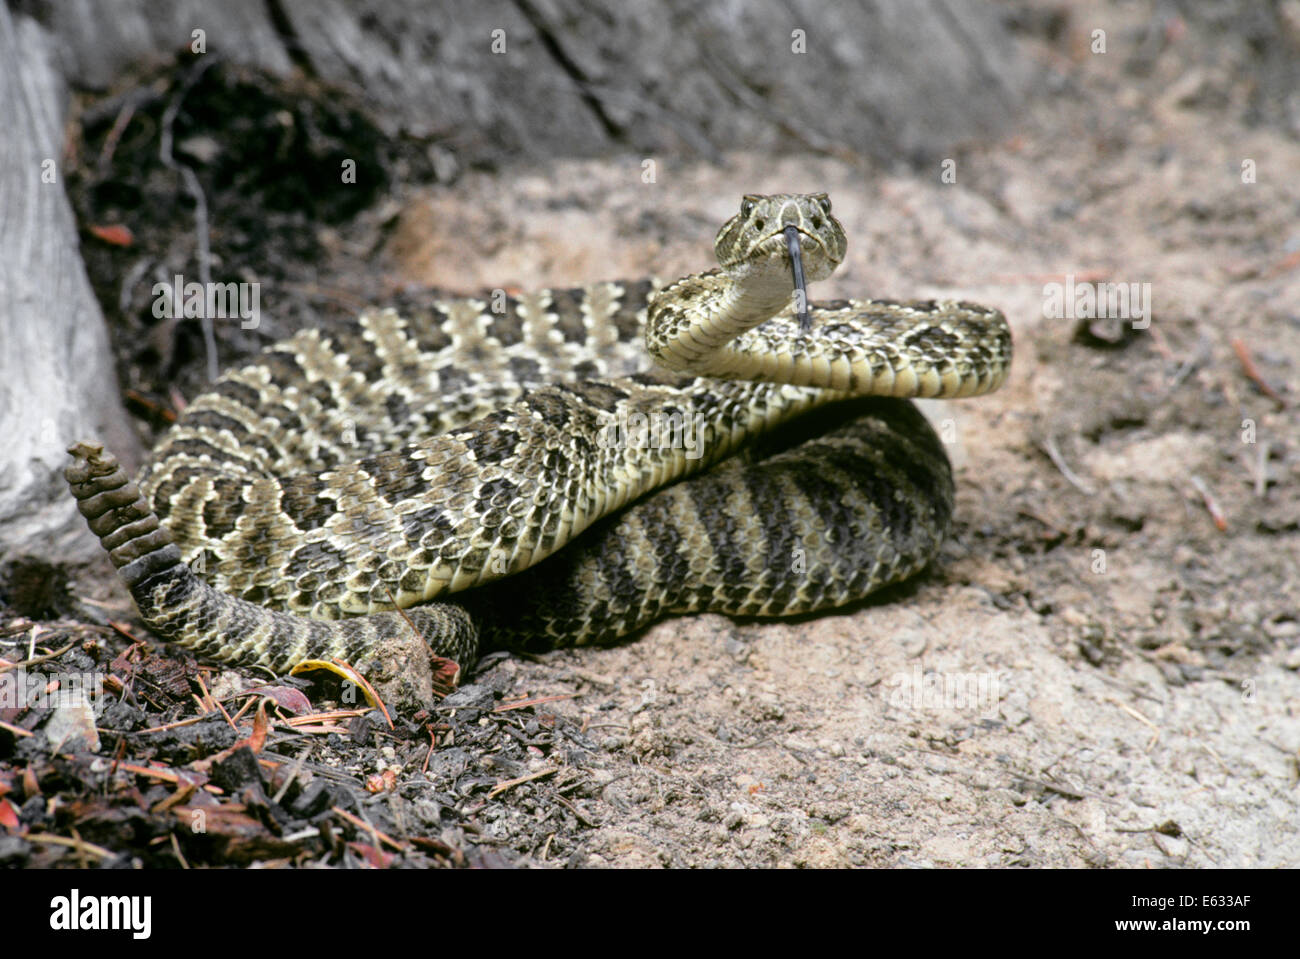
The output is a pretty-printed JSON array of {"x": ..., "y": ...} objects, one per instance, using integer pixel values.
[{"x": 800, "y": 286}]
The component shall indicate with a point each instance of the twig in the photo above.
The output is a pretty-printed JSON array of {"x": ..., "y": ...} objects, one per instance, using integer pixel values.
[
  {"x": 1054, "y": 527},
  {"x": 151, "y": 406},
  {"x": 118, "y": 755},
  {"x": 166, "y": 775},
  {"x": 521, "y": 703},
  {"x": 176, "y": 848},
  {"x": 1252, "y": 372},
  {"x": 1211, "y": 504},
  {"x": 204, "y": 702},
  {"x": 114, "y": 135},
  {"x": 78, "y": 844},
  {"x": 1217, "y": 758},
  {"x": 1057, "y": 788},
  {"x": 33, "y": 660},
  {"x": 377, "y": 836},
  {"x": 1198, "y": 356},
  {"x": 176, "y": 725},
  {"x": 1049, "y": 445},
  {"x": 239, "y": 714},
  {"x": 433, "y": 744},
  {"x": 323, "y": 729},
  {"x": 1155, "y": 736},
  {"x": 1065, "y": 791},
  {"x": 511, "y": 783},
  {"x": 207, "y": 697},
  {"x": 574, "y": 809},
  {"x": 295, "y": 722},
  {"x": 294, "y": 770}
]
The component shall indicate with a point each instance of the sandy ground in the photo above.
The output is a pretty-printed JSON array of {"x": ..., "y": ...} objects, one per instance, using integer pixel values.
[{"x": 1095, "y": 674}]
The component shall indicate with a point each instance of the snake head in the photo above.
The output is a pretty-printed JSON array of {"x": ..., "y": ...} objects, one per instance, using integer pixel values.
[{"x": 755, "y": 238}]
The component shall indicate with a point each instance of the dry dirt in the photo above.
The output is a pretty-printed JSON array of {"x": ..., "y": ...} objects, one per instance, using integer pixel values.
[
  {"x": 1108, "y": 674},
  {"x": 1140, "y": 661}
]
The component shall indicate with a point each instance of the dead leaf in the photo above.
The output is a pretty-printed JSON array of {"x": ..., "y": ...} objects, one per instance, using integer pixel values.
[{"x": 115, "y": 234}]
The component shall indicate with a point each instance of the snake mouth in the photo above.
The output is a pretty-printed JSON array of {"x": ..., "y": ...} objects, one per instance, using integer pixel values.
[{"x": 819, "y": 259}]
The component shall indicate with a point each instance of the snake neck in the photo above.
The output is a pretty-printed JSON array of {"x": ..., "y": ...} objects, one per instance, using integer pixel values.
[
  {"x": 732, "y": 302},
  {"x": 706, "y": 324},
  {"x": 751, "y": 298}
]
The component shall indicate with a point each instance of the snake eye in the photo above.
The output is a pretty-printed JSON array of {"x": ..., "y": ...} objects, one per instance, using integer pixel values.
[
  {"x": 747, "y": 205},
  {"x": 824, "y": 202}
]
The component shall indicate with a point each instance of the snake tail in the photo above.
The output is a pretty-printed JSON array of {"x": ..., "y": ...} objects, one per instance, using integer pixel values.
[{"x": 180, "y": 607}]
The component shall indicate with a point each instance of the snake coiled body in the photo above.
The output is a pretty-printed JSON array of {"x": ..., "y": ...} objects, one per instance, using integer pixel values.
[{"x": 514, "y": 472}]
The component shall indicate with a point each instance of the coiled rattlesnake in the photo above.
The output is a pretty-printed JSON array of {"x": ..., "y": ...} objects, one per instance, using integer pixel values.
[{"x": 771, "y": 469}]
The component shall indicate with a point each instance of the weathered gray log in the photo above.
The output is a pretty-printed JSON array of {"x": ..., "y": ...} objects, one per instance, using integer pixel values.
[
  {"x": 56, "y": 369},
  {"x": 885, "y": 78}
]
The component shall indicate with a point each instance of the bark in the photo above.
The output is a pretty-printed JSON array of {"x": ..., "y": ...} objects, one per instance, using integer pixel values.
[{"x": 57, "y": 383}]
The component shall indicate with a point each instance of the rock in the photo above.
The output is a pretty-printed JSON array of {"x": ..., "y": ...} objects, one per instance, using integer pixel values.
[{"x": 71, "y": 728}]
